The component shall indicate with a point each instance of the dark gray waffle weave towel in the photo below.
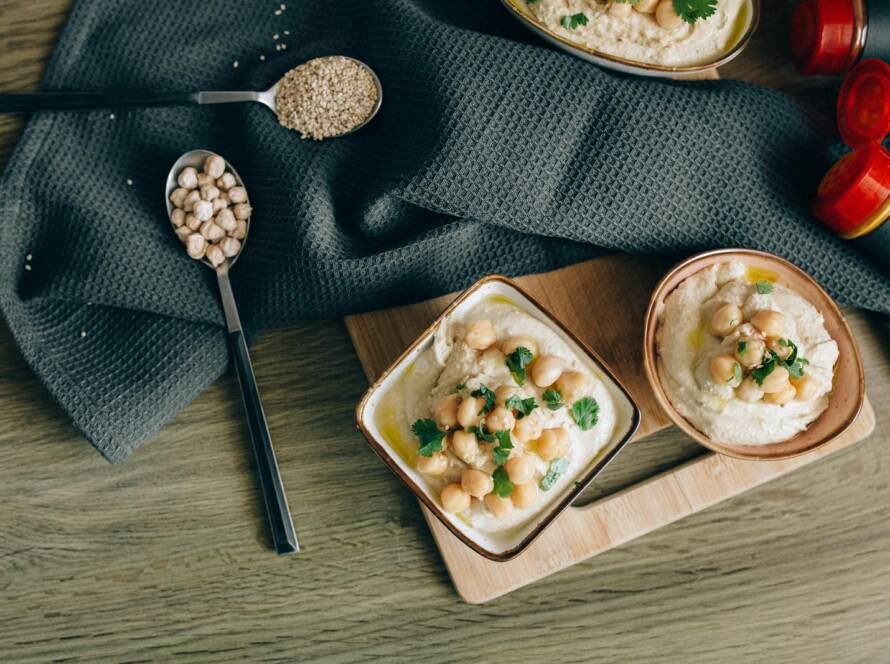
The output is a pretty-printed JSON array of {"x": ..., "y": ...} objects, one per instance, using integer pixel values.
[{"x": 491, "y": 153}]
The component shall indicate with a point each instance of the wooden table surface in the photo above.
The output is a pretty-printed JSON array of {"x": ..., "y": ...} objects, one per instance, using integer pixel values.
[{"x": 165, "y": 555}]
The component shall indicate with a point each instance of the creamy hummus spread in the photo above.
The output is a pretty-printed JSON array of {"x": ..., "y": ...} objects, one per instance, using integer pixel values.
[
  {"x": 743, "y": 359},
  {"x": 560, "y": 416},
  {"x": 639, "y": 37}
]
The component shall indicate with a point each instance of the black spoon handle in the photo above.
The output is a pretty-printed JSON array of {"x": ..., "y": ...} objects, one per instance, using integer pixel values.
[{"x": 71, "y": 101}]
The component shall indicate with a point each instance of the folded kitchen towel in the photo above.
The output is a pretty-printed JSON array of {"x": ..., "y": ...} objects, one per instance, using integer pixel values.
[{"x": 492, "y": 153}]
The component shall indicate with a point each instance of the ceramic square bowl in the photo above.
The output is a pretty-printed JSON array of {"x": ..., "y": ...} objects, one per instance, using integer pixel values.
[
  {"x": 501, "y": 546},
  {"x": 848, "y": 392}
]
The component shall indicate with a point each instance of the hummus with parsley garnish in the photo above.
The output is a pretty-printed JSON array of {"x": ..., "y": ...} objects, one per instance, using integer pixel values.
[
  {"x": 501, "y": 415},
  {"x": 745, "y": 360},
  {"x": 648, "y": 31}
]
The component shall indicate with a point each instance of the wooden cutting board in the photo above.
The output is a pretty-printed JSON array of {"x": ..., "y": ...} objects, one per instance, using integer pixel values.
[{"x": 603, "y": 301}]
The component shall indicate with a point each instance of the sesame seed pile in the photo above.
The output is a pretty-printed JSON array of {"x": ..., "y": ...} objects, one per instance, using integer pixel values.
[{"x": 326, "y": 97}]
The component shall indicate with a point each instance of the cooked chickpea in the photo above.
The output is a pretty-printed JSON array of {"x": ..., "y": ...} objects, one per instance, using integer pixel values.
[
  {"x": 500, "y": 419},
  {"x": 783, "y": 350},
  {"x": 726, "y": 319},
  {"x": 504, "y": 392},
  {"x": 465, "y": 446},
  {"x": 480, "y": 334},
  {"x": 528, "y": 428},
  {"x": 572, "y": 385},
  {"x": 511, "y": 344},
  {"x": 242, "y": 211},
  {"x": 782, "y": 397},
  {"x": 520, "y": 468},
  {"x": 547, "y": 370},
  {"x": 646, "y": 6},
  {"x": 492, "y": 360},
  {"x": 620, "y": 9},
  {"x": 178, "y": 197},
  {"x": 771, "y": 323},
  {"x": 188, "y": 178},
  {"x": 237, "y": 194},
  {"x": 749, "y": 391},
  {"x": 725, "y": 370},
  {"x": 776, "y": 381},
  {"x": 749, "y": 351},
  {"x": 807, "y": 387},
  {"x": 214, "y": 166},
  {"x": 667, "y": 16},
  {"x": 445, "y": 411},
  {"x": 524, "y": 495},
  {"x": 553, "y": 443},
  {"x": 468, "y": 412},
  {"x": 499, "y": 507},
  {"x": 475, "y": 482},
  {"x": 433, "y": 465},
  {"x": 454, "y": 498}
]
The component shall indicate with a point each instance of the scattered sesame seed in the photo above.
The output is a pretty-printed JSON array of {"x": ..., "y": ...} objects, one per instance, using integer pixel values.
[
  {"x": 283, "y": 46},
  {"x": 275, "y": 36},
  {"x": 262, "y": 57},
  {"x": 283, "y": 6},
  {"x": 27, "y": 267},
  {"x": 111, "y": 116},
  {"x": 287, "y": 32},
  {"x": 235, "y": 64},
  {"x": 129, "y": 182},
  {"x": 277, "y": 12},
  {"x": 29, "y": 257},
  {"x": 83, "y": 333}
]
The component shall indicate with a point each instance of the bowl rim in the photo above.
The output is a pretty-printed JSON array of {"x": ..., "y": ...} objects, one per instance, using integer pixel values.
[
  {"x": 650, "y": 361},
  {"x": 739, "y": 46},
  {"x": 579, "y": 486}
]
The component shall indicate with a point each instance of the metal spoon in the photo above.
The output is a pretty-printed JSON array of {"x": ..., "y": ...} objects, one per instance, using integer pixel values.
[
  {"x": 16, "y": 102},
  {"x": 280, "y": 521}
]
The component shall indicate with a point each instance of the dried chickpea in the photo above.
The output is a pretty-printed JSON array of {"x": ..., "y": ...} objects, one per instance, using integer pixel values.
[
  {"x": 242, "y": 211},
  {"x": 620, "y": 9},
  {"x": 454, "y": 498},
  {"x": 433, "y": 465},
  {"x": 215, "y": 166},
  {"x": 468, "y": 413},
  {"x": 499, "y": 507},
  {"x": 726, "y": 319},
  {"x": 782, "y": 397},
  {"x": 224, "y": 197},
  {"x": 203, "y": 210},
  {"x": 646, "y": 6},
  {"x": 776, "y": 381},
  {"x": 524, "y": 495},
  {"x": 480, "y": 334},
  {"x": 807, "y": 387},
  {"x": 204, "y": 179},
  {"x": 511, "y": 344},
  {"x": 240, "y": 231},
  {"x": 749, "y": 391},
  {"x": 465, "y": 446},
  {"x": 191, "y": 198},
  {"x": 196, "y": 245},
  {"x": 215, "y": 255},
  {"x": 475, "y": 482},
  {"x": 188, "y": 178},
  {"x": 528, "y": 428},
  {"x": 177, "y": 217},
  {"x": 572, "y": 385},
  {"x": 771, "y": 323},
  {"x": 209, "y": 192},
  {"x": 552, "y": 444},
  {"x": 445, "y": 411},
  {"x": 237, "y": 194},
  {"x": 192, "y": 222},
  {"x": 218, "y": 204},
  {"x": 183, "y": 232},
  {"x": 226, "y": 181},
  {"x": 667, "y": 16},
  {"x": 230, "y": 246},
  {"x": 226, "y": 220},
  {"x": 177, "y": 197},
  {"x": 500, "y": 419},
  {"x": 211, "y": 231},
  {"x": 749, "y": 351},
  {"x": 547, "y": 370},
  {"x": 725, "y": 370},
  {"x": 520, "y": 468}
]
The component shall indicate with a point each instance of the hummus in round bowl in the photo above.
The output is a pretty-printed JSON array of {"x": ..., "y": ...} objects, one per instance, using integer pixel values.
[
  {"x": 745, "y": 360},
  {"x": 640, "y": 32}
]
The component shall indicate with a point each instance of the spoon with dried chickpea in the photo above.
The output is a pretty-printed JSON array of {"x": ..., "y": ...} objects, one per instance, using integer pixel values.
[{"x": 210, "y": 213}]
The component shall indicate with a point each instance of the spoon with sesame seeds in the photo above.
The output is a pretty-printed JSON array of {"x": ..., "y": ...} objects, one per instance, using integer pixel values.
[
  {"x": 217, "y": 171},
  {"x": 325, "y": 97}
]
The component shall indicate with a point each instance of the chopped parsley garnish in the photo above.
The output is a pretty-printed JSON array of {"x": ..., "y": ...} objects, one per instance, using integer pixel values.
[
  {"x": 765, "y": 369},
  {"x": 796, "y": 368},
  {"x": 460, "y": 386},
  {"x": 585, "y": 412},
  {"x": 501, "y": 453},
  {"x": 430, "y": 437},
  {"x": 517, "y": 361},
  {"x": 792, "y": 356},
  {"x": 553, "y": 398},
  {"x": 482, "y": 434},
  {"x": 484, "y": 393},
  {"x": 764, "y": 287},
  {"x": 503, "y": 487},
  {"x": 522, "y": 406},
  {"x": 573, "y": 21},
  {"x": 742, "y": 347},
  {"x": 693, "y": 10},
  {"x": 736, "y": 373},
  {"x": 557, "y": 467}
]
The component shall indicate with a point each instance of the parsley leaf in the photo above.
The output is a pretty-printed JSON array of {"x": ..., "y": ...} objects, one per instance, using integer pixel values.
[
  {"x": 765, "y": 369},
  {"x": 501, "y": 453},
  {"x": 692, "y": 10},
  {"x": 573, "y": 21},
  {"x": 557, "y": 467},
  {"x": 486, "y": 394},
  {"x": 482, "y": 434},
  {"x": 792, "y": 356},
  {"x": 522, "y": 406},
  {"x": 517, "y": 361},
  {"x": 796, "y": 368},
  {"x": 742, "y": 347},
  {"x": 430, "y": 437},
  {"x": 553, "y": 398},
  {"x": 503, "y": 487},
  {"x": 460, "y": 386},
  {"x": 736, "y": 373},
  {"x": 585, "y": 412}
]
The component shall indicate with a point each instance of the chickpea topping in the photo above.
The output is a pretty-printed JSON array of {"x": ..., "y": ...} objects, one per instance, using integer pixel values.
[
  {"x": 620, "y": 9},
  {"x": 445, "y": 411},
  {"x": 500, "y": 419},
  {"x": 454, "y": 498},
  {"x": 725, "y": 370},
  {"x": 524, "y": 495},
  {"x": 465, "y": 446},
  {"x": 776, "y": 381},
  {"x": 725, "y": 320},
  {"x": 476, "y": 483},
  {"x": 513, "y": 343},
  {"x": 806, "y": 387},
  {"x": 433, "y": 465},
  {"x": 771, "y": 323},
  {"x": 468, "y": 413},
  {"x": 646, "y": 6},
  {"x": 528, "y": 428},
  {"x": 504, "y": 392},
  {"x": 749, "y": 352},
  {"x": 480, "y": 335},
  {"x": 492, "y": 360},
  {"x": 499, "y": 507},
  {"x": 520, "y": 469},
  {"x": 553, "y": 443},
  {"x": 782, "y": 350},
  {"x": 666, "y": 16},
  {"x": 749, "y": 391},
  {"x": 547, "y": 370},
  {"x": 782, "y": 397},
  {"x": 572, "y": 385}
]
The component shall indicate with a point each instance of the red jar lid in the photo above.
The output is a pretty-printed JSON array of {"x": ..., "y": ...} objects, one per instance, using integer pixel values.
[
  {"x": 855, "y": 189},
  {"x": 863, "y": 107},
  {"x": 823, "y": 36}
]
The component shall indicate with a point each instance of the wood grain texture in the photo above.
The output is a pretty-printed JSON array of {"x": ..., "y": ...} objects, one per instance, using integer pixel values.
[
  {"x": 615, "y": 333},
  {"x": 162, "y": 558}
]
